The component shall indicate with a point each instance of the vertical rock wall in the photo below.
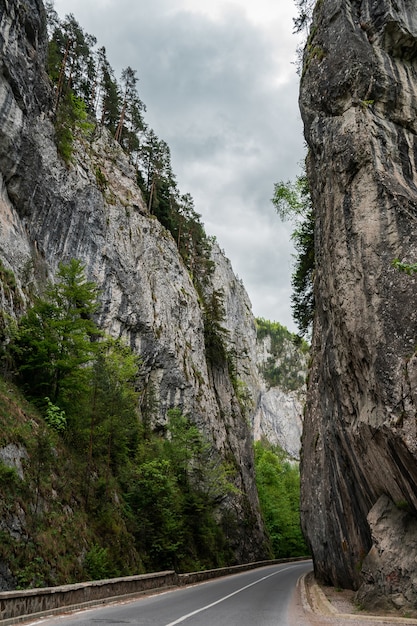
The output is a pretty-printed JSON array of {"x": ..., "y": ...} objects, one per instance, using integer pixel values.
[
  {"x": 359, "y": 102},
  {"x": 50, "y": 212}
]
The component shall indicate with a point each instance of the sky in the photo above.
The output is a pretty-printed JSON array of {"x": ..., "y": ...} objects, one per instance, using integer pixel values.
[{"x": 220, "y": 86}]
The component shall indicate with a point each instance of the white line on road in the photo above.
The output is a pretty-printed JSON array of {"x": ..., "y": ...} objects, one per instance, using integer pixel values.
[{"x": 208, "y": 606}]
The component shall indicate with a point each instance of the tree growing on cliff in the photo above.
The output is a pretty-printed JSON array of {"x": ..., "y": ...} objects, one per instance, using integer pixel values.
[
  {"x": 55, "y": 339},
  {"x": 130, "y": 119},
  {"x": 71, "y": 62},
  {"x": 305, "y": 11},
  {"x": 292, "y": 201},
  {"x": 107, "y": 99}
]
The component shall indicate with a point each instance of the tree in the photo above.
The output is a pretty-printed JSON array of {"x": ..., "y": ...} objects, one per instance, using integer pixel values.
[
  {"x": 305, "y": 12},
  {"x": 130, "y": 120},
  {"x": 292, "y": 201},
  {"x": 71, "y": 118},
  {"x": 55, "y": 340},
  {"x": 278, "y": 483},
  {"x": 71, "y": 62},
  {"x": 215, "y": 334},
  {"x": 114, "y": 421},
  {"x": 159, "y": 181},
  {"x": 155, "y": 500}
]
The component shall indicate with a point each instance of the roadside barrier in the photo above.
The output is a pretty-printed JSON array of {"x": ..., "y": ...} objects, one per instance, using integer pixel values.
[{"x": 31, "y": 604}]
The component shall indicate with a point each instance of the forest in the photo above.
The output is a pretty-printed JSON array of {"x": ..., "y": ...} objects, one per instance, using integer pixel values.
[{"x": 136, "y": 499}]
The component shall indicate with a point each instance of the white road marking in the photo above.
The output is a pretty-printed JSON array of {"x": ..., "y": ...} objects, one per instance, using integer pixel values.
[{"x": 208, "y": 606}]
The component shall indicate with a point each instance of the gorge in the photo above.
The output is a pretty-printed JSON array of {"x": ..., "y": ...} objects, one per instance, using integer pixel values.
[{"x": 90, "y": 207}]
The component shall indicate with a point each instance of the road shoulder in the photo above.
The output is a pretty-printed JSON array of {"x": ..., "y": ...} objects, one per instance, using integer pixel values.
[{"x": 339, "y": 605}]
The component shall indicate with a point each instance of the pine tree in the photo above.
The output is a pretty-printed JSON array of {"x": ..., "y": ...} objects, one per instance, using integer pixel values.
[
  {"x": 108, "y": 97},
  {"x": 54, "y": 341},
  {"x": 130, "y": 120}
]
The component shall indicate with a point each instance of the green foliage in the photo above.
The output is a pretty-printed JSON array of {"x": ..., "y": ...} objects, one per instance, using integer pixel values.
[
  {"x": 8, "y": 280},
  {"x": 101, "y": 179},
  {"x": 177, "y": 487},
  {"x": 130, "y": 119},
  {"x": 285, "y": 368},
  {"x": 367, "y": 103},
  {"x": 293, "y": 201},
  {"x": 278, "y": 483},
  {"x": 243, "y": 395},
  {"x": 71, "y": 118},
  {"x": 110, "y": 422},
  {"x": 157, "y": 497},
  {"x": 98, "y": 564},
  {"x": 407, "y": 268},
  {"x": 55, "y": 417},
  {"x": 86, "y": 91},
  {"x": 8, "y": 475},
  {"x": 215, "y": 334},
  {"x": 54, "y": 341}
]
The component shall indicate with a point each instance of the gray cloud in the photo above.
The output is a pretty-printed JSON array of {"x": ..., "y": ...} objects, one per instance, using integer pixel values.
[{"x": 223, "y": 94}]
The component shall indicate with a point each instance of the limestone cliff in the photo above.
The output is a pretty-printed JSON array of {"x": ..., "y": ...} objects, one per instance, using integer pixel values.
[
  {"x": 275, "y": 407},
  {"x": 358, "y": 101},
  {"x": 50, "y": 212}
]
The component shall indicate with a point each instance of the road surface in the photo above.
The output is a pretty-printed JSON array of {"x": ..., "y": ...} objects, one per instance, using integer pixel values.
[{"x": 260, "y": 597}]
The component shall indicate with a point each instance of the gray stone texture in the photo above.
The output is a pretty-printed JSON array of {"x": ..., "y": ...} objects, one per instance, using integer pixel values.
[{"x": 358, "y": 101}]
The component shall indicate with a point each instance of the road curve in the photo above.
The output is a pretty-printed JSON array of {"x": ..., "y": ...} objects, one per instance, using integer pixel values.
[{"x": 260, "y": 597}]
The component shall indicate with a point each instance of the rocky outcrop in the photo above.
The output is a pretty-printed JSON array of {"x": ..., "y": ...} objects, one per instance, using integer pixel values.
[
  {"x": 51, "y": 212},
  {"x": 358, "y": 101},
  {"x": 279, "y": 414},
  {"x": 389, "y": 569},
  {"x": 278, "y": 419},
  {"x": 274, "y": 411}
]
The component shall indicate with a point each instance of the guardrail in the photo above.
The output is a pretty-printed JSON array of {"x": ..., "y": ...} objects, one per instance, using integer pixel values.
[{"x": 22, "y": 605}]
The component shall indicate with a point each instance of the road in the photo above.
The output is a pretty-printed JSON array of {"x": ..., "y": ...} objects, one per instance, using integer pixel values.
[{"x": 260, "y": 597}]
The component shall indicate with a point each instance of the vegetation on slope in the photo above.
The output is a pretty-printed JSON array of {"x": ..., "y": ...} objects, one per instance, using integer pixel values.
[
  {"x": 88, "y": 98},
  {"x": 285, "y": 367},
  {"x": 278, "y": 483},
  {"x": 100, "y": 494}
]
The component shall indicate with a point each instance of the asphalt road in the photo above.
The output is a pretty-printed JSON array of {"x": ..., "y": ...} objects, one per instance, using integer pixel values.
[{"x": 260, "y": 597}]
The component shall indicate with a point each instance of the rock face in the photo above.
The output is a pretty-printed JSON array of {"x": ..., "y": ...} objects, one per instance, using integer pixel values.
[
  {"x": 358, "y": 101},
  {"x": 389, "y": 569},
  {"x": 278, "y": 419},
  {"x": 275, "y": 412},
  {"x": 50, "y": 212},
  {"x": 279, "y": 414}
]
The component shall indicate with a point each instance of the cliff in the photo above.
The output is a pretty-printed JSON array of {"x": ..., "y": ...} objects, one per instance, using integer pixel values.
[
  {"x": 358, "y": 102},
  {"x": 270, "y": 368},
  {"x": 52, "y": 212}
]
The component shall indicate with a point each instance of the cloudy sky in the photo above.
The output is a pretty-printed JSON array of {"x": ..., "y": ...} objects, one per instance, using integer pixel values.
[{"x": 220, "y": 86}]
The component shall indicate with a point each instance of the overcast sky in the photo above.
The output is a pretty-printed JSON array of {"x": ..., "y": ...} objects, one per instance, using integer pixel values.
[{"x": 220, "y": 86}]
